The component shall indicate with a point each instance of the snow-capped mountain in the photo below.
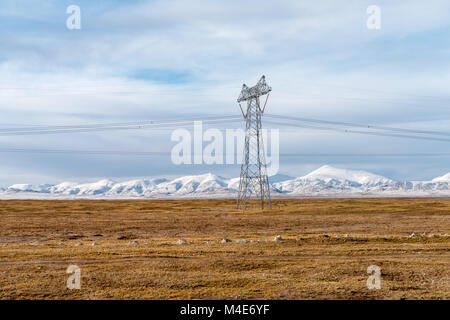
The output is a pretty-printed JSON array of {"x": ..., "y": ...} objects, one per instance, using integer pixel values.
[
  {"x": 325, "y": 181},
  {"x": 328, "y": 179}
]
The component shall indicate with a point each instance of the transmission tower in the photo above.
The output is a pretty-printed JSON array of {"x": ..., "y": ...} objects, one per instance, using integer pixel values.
[{"x": 253, "y": 178}]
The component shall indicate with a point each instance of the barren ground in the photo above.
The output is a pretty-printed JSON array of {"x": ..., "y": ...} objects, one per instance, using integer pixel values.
[{"x": 328, "y": 245}]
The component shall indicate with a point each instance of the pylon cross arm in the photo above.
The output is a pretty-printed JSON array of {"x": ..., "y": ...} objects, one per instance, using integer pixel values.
[{"x": 260, "y": 89}]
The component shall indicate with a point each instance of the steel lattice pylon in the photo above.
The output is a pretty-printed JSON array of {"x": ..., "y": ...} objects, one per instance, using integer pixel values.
[{"x": 253, "y": 179}]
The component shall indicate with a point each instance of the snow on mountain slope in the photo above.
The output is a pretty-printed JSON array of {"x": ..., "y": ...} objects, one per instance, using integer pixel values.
[
  {"x": 29, "y": 188},
  {"x": 326, "y": 180},
  {"x": 96, "y": 188},
  {"x": 21, "y": 188},
  {"x": 64, "y": 187},
  {"x": 135, "y": 187},
  {"x": 233, "y": 184},
  {"x": 206, "y": 183},
  {"x": 328, "y": 173},
  {"x": 444, "y": 178}
]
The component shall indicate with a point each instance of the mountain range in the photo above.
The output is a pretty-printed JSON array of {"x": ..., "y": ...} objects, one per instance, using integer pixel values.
[{"x": 325, "y": 181}]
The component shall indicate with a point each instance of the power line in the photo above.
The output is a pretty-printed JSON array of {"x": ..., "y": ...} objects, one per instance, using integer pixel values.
[
  {"x": 359, "y": 132},
  {"x": 91, "y": 125},
  {"x": 107, "y": 127},
  {"x": 348, "y": 124},
  {"x": 168, "y": 124}
]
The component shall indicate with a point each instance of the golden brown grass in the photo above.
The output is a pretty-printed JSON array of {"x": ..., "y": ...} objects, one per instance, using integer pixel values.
[{"x": 40, "y": 239}]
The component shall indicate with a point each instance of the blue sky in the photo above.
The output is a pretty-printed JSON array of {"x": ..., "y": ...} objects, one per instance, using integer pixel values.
[{"x": 139, "y": 60}]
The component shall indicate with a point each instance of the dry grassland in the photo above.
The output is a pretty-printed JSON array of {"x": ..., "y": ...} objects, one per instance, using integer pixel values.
[{"x": 328, "y": 245}]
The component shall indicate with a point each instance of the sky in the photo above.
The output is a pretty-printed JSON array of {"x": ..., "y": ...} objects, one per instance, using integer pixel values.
[{"x": 178, "y": 59}]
